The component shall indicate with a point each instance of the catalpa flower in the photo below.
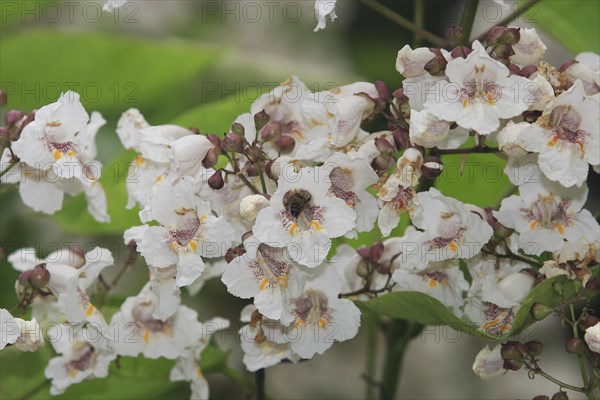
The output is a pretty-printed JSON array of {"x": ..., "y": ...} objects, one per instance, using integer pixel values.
[
  {"x": 411, "y": 63},
  {"x": 587, "y": 69},
  {"x": 391, "y": 210},
  {"x": 188, "y": 233},
  {"x": 83, "y": 354},
  {"x": 566, "y": 136},
  {"x": 428, "y": 131},
  {"x": 257, "y": 341},
  {"x": 269, "y": 275},
  {"x": 489, "y": 364},
  {"x": 50, "y": 141},
  {"x": 592, "y": 337},
  {"x": 572, "y": 260},
  {"x": 530, "y": 49},
  {"x": 320, "y": 316},
  {"x": 303, "y": 216},
  {"x": 479, "y": 92},
  {"x": 24, "y": 335},
  {"x": 450, "y": 230},
  {"x": 545, "y": 214},
  {"x": 324, "y": 9},
  {"x": 169, "y": 338}
]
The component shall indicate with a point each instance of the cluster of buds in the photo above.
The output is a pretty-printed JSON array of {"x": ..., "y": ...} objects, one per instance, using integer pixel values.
[
  {"x": 14, "y": 122},
  {"x": 31, "y": 283},
  {"x": 517, "y": 354}
]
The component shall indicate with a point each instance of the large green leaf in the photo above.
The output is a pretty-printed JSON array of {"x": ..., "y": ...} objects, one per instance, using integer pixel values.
[
  {"x": 418, "y": 307},
  {"x": 574, "y": 24},
  {"x": 111, "y": 72}
]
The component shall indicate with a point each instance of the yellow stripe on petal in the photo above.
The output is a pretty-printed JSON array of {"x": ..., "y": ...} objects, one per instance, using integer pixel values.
[
  {"x": 560, "y": 228},
  {"x": 293, "y": 229},
  {"x": 283, "y": 281},
  {"x": 553, "y": 142},
  {"x": 432, "y": 283},
  {"x": 199, "y": 372},
  {"x": 57, "y": 154},
  {"x": 322, "y": 323},
  {"x": 452, "y": 246},
  {"x": 203, "y": 218},
  {"x": 264, "y": 283},
  {"x": 533, "y": 224},
  {"x": 315, "y": 224},
  {"x": 146, "y": 336},
  {"x": 193, "y": 245},
  {"x": 89, "y": 310},
  {"x": 71, "y": 153},
  {"x": 298, "y": 323}
]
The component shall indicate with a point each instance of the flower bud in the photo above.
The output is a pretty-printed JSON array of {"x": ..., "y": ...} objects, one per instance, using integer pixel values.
[
  {"x": 12, "y": 117},
  {"x": 575, "y": 346},
  {"x": 382, "y": 90},
  {"x": 381, "y": 162},
  {"x": 39, "y": 276},
  {"x": 432, "y": 167},
  {"x": 233, "y": 143},
  {"x": 541, "y": 397},
  {"x": 528, "y": 70},
  {"x": 534, "y": 347},
  {"x": 400, "y": 96},
  {"x": 455, "y": 33},
  {"x": 437, "y": 65},
  {"x": 513, "y": 365},
  {"x": 588, "y": 321},
  {"x": 500, "y": 231},
  {"x": 566, "y": 65},
  {"x": 489, "y": 364},
  {"x": 285, "y": 144},
  {"x": 211, "y": 158},
  {"x": 401, "y": 139},
  {"x": 238, "y": 129},
  {"x": 251, "y": 169},
  {"x": 540, "y": 311},
  {"x": 560, "y": 396},
  {"x": 510, "y": 36},
  {"x": 376, "y": 251},
  {"x": 383, "y": 145},
  {"x": 233, "y": 253},
  {"x": 362, "y": 269},
  {"x": 270, "y": 132},
  {"x": 3, "y": 98},
  {"x": 503, "y": 51},
  {"x": 557, "y": 288},
  {"x": 460, "y": 52},
  {"x": 216, "y": 141},
  {"x": 216, "y": 180},
  {"x": 23, "y": 278},
  {"x": 253, "y": 153},
  {"x": 513, "y": 351},
  {"x": 251, "y": 205},
  {"x": 261, "y": 119},
  {"x": 495, "y": 34}
]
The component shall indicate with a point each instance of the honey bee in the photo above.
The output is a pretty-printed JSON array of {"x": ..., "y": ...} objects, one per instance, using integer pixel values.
[{"x": 295, "y": 201}]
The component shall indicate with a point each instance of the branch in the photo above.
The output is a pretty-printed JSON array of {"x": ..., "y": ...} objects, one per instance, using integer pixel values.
[
  {"x": 470, "y": 150},
  {"x": 411, "y": 26}
]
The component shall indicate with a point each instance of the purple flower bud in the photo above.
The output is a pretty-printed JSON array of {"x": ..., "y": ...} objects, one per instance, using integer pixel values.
[
  {"x": 260, "y": 120},
  {"x": 534, "y": 347},
  {"x": 376, "y": 251},
  {"x": 593, "y": 284},
  {"x": 432, "y": 167},
  {"x": 495, "y": 34},
  {"x": 12, "y": 117},
  {"x": 271, "y": 132},
  {"x": 514, "y": 69},
  {"x": 382, "y": 90},
  {"x": 401, "y": 139},
  {"x": 216, "y": 141},
  {"x": 400, "y": 96},
  {"x": 238, "y": 129},
  {"x": 39, "y": 276},
  {"x": 510, "y": 36},
  {"x": 232, "y": 143},
  {"x": 233, "y": 253},
  {"x": 381, "y": 162},
  {"x": 455, "y": 33},
  {"x": 211, "y": 158},
  {"x": 528, "y": 70},
  {"x": 502, "y": 52},
  {"x": 383, "y": 145},
  {"x": 4, "y": 135},
  {"x": 513, "y": 350},
  {"x": 216, "y": 180},
  {"x": 437, "y": 65},
  {"x": 24, "y": 277},
  {"x": 513, "y": 365},
  {"x": 285, "y": 144},
  {"x": 460, "y": 52},
  {"x": 560, "y": 396},
  {"x": 575, "y": 346},
  {"x": 566, "y": 65},
  {"x": 588, "y": 321}
]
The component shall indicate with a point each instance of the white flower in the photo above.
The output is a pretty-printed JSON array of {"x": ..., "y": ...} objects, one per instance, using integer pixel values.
[
  {"x": 188, "y": 232},
  {"x": 540, "y": 94},
  {"x": 128, "y": 128},
  {"x": 411, "y": 63},
  {"x": 530, "y": 49},
  {"x": 390, "y": 211},
  {"x": 112, "y": 5},
  {"x": 251, "y": 205},
  {"x": 84, "y": 354},
  {"x": 407, "y": 174},
  {"x": 303, "y": 216},
  {"x": 478, "y": 94},
  {"x": 24, "y": 335},
  {"x": 170, "y": 338},
  {"x": 572, "y": 260},
  {"x": 50, "y": 141},
  {"x": 545, "y": 214},
  {"x": 566, "y": 136},
  {"x": 508, "y": 137},
  {"x": 592, "y": 337},
  {"x": 324, "y": 9},
  {"x": 188, "y": 367},
  {"x": 489, "y": 364},
  {"x": 450, "y": 229},
  {"x": 269, "y": 275},
  {"x": 586, "y": 69},
  {"x": 350, "y": 177},
  {"x": 260, "y": 351},
  {"x": 320, "y": 316},
  {"x": 428, "y": 131}
]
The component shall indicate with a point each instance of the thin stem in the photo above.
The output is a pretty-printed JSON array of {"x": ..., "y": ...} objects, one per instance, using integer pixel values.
[
  {"x": 5, "y": 170},
  {"x": 537, "y": 370},
  {"x": 33, "y": 391},
  {"x": 130, "y": 259},
  {"x": 468, "y": 18},
  {"x": 241, "y": 175},
  {"x": 397, "y": 339},
  {"x": 400, "y": 20},
  {"x": 419, "y": 20},
  {"x": 259, "y": 381},
  {"x": 519, "y": 11},
  {"x": 470, "y": 150},
  {"x": 261, "y": 174},
  {"x": 579, "y": 356}
]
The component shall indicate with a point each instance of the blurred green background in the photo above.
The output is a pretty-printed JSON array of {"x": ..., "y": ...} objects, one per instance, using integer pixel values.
[{"x": 201, "y": 64}]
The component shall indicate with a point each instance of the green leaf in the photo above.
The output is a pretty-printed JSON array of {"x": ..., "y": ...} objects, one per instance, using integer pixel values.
[
  {"x": 574, "y": 24},
  {"x": 421, "y": 308},
  {"x": 111, "y": 72}
]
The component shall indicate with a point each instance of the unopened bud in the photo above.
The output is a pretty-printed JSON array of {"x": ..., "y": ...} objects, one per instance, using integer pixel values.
[
  {"x": 216, "y": 141},
  {"x": 560, "y": 396},
  {"x": 534, "y": 347},
  {"x": 500, "y": 231},
  {"x": 383, "y": 145},
  {"x": 362, "y": 269},
  {"x": 12, "y": 117},
  {"x": 216, "y": 180},
  {"x": 460, "y": 51},
  {"x": 24, "y": 277},
  {"x": 251, "y": 205},
  {"x": 270, "y": 132},
  {"x": 557, "y": 288},
  {"x": 566, "y": 65},
  {"x": 211, "y": 158},
  {"x": 510, "y": 36},
  {"x": 382, "y": 90},
  {"x": 503, "y": 51},
  {"x": 437, "y": 65},
  {"x": 513, "y": 351},
  {"x": 376, "y": 251},
  {"x": 232, "y": 143},
  {"x": 3, "y": 98},
  {"x": 494, "y": 34},
  {"x": 285, "y": 144},
  {"x": 575, "y": 346},
  {"x": 400, "y": 96},
  {"x": 260, "y": 120},
  {"x": 513, "y": 365},
  {"x": 588, "y": 321},
  {"x": 39, "y": 276},
  {"x": 251, "y": 169},
  {"x": 381, "y": 162},
  {"x": 432, "y": 167},
  {"x": 238, "y": 129},
  {"x": 455, "y": 33},
  {"x": 528, "y": 70},
  {"x": 401, "y": 139},
  {"x": 233, "y": 253},
  {"x": 540, "y": 311}
]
